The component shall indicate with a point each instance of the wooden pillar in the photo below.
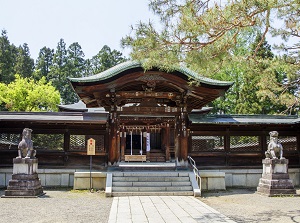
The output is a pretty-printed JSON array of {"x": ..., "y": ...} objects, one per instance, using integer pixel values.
[
  {"x": 167, "y": 142},
  {"x": 112, "y": 137},
  {"x": 177, "y": 138},
  {"x": 184, "y": 136},
  {"x": 123, "y": 143},
  {"x": 66, "y": 141},
  {"x": 227, "y": 146},
  {"x": 118, "y": 158},
  {"x": 163, "y": 138},
  {"x": 66, "y": 145},
  {"x": 184, "y": 145},
  {"x": 263, "y": 142}
]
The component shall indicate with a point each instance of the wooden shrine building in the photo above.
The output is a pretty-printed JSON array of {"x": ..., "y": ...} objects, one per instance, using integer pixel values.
[
  {"x": 151, "y": 107},
  {"x": 129, "y": 111}
]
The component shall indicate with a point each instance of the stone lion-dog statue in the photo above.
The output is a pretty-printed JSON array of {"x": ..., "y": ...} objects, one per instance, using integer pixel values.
[
  {"x": 25, "y": 148},
  {"x": 275, "y": 150}
]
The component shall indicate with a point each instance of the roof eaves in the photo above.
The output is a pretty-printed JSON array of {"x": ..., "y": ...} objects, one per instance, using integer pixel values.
[
  {"x": 136, "y": 64},
  {"x": 109, "y": 72},
  {"x": 243, "y": 119}
]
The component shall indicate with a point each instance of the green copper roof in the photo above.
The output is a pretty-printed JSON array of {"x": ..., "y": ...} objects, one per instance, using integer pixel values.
[
  {"x": 137, "y": 64},
  {"x": 243, "y": 119}
]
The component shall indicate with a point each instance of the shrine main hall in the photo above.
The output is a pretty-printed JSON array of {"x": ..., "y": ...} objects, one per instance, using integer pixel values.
[{"x": 152, "y": 115}]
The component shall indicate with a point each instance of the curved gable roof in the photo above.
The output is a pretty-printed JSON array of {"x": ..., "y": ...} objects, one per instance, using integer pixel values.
[
  {"x": 130, "y": 76},
  {"x": 114, "y": 71}
]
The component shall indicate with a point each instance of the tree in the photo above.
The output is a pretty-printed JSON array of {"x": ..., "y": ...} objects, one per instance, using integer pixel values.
[
  {"x": 75, "y": 62},
  {"x": 253, "y": 81},
  {"x": 209, "y": 29},
  {"x": 74, "y": 68},
  {"x": 25, "y": 94},
  {"x": 43, "y": 63},
  {"x": 7, "y": 59},
  {"x": 24, "y": 63},
  {"x": 58, "y": 70},
  {"x": 105, "y": 59},
  {"x": 204, "y": 35}
]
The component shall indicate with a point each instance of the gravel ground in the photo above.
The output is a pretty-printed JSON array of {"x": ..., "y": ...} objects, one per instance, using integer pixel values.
[
  {"x": 60, "y": 205},
  {"x": 244, "y": 205},
  {"x": 66, "y": 205}
]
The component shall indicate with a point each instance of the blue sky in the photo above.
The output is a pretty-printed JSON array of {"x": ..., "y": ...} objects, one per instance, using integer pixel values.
[{"x": 91, "y": 23}]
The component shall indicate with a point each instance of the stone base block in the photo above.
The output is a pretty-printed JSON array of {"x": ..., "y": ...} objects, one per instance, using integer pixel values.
[
  {"x": 24, "y": 185},
  {"x": 275, "y": 178},
  {"x": 276, "y": 192},
  {"x": 271, "y": 166},
  {"x": 25, "y": 181},
  {"x": 25, "y": 166}
]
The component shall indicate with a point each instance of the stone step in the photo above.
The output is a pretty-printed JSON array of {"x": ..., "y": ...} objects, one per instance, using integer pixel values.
[
  {"x": 151, "y": 174},
  {"x": 156, "y": 193},
  {"x": 23, "y": 193},
  {"x": 147, "y": 166},
  {"x": 151, "y": 189},
  {"x": 276, "y": 192},
  {"x": 276, "y": 186},
  {"x": 150, "y": 179},
  {"x": 153, "y": 184}
]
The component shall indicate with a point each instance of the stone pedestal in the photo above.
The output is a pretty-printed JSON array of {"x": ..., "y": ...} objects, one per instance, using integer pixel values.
[
  {"x": 25, "y": 181},
  {"x": 275, "y": 179}
]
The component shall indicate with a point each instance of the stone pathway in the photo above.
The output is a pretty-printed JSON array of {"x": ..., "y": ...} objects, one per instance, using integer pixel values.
[{"x": 158, "y": 209}]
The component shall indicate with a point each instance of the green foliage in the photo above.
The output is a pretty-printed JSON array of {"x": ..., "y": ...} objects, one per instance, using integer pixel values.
[
  {"x": 7, "y": 59},
  {"x": 66, "y": 63},
  {"x": 71, "y": 63},
  {"x": 43, "y": 63},
  {"x": 25, "y": 94},
  {"x": 48, "y": 141},
  {"x": 225, "y": 40},
  {"x": 51, "y": 67},
  {"x": 24, "y": 64},
  {"x": 105, "y": 59}
]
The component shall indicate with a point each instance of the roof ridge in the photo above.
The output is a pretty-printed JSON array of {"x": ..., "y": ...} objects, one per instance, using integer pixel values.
[{"x": 136, "y": 64}]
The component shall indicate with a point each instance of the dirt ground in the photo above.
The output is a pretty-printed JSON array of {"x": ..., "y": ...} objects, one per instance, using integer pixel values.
[
  {"x": 66, "y": 205},
  {"x": 57, "y": 205},
  {"x": 245, "y": 205}
]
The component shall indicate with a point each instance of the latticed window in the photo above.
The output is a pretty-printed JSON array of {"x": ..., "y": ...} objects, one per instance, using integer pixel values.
[
  {"x": 244, "y": 143},
  {"x": 48, "y": 141},
  {"x": 289, "y": 143},
  {"x": 9, "y": 141},
  {"x": 78, "y": 142},
  {"x": 207, "y": 143}
]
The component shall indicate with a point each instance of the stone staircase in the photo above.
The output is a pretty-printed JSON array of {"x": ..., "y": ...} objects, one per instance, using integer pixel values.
[{"x": 150, "y": 183}]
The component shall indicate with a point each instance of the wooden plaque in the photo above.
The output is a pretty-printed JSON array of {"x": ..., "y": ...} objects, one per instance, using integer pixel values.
[{"x": 91, "y": 147}]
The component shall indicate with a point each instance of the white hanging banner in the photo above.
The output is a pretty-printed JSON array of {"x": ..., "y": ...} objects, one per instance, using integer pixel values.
[{"x": 148, "y": 142}]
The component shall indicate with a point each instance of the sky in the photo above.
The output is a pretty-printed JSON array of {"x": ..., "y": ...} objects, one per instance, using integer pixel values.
[{"x": 91, "y": 23}]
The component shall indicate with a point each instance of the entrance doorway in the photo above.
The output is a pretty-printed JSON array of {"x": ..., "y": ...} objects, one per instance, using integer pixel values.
[{"x": 135, "y": 142}]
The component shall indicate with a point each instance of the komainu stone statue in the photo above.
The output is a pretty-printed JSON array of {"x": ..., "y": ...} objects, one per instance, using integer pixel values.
[
  {"x": 275, "y": 150},
  {"x": 275, "y": 180},
  {"x": 25, "y": 148}
]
